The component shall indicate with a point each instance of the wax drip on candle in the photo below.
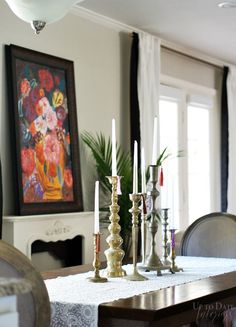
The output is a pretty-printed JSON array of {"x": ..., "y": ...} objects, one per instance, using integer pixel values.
[
  {"x": 144, "y": 205},
  {"x": 161, "y": 178},
  {"x": 119, "y": 185},
  {"x": 98, "y": 242},
  {"x": 173, "y": 238}
]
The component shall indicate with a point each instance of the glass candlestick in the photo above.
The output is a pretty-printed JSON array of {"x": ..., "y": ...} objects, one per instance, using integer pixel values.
[
  {"x": 174, "y": 267},
  {"x": 114, "y": 253},
  {"x": 96, "y": 262},
  {"x": 135, "y": 276}
]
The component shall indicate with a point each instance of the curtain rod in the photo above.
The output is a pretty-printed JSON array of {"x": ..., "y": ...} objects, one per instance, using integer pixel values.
[
  {"x": 219, "y": 65},
  {"x": 205, "y": 61}
]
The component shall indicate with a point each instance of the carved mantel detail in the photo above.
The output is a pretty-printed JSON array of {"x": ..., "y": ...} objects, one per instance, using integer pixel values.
[{"x": 58, "y": 228}]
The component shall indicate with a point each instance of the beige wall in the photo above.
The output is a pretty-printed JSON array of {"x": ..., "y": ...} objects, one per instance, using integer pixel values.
[
  {"x": 101, "y": 56},
  {"x": 101, "y": 64}
]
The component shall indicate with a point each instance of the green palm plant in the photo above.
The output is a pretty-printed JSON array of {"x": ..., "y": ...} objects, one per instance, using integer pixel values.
[{"x": 102, "y": 153}]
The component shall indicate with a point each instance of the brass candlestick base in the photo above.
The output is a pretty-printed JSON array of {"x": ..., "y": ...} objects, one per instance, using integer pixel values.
[
  {"x": 96, "y": 262},
  {"x": 174, "y": 268},
  {"x": 135, "y": 276},
  {"x": 114, "y": 253}
]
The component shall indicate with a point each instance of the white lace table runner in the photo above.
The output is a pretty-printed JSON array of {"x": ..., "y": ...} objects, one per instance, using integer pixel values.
[{"x": 74, "y": 300}]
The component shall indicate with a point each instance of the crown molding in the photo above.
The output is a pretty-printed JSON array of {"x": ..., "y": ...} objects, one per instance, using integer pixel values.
[
  {"x": 100, "y": 19},
  {"x": 121, "y": 27}
]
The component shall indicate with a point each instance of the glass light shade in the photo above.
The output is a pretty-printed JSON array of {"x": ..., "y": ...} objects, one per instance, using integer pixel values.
[{"x": 44, "y": 11}]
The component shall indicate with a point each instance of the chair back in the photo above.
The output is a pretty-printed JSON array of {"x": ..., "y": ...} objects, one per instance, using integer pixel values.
[
  {"x": 212, "y": 235},
  {"x": 33, "y": 307}
]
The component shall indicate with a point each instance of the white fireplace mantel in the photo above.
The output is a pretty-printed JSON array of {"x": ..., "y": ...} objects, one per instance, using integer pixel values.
[{"x": 22, "y": 231}]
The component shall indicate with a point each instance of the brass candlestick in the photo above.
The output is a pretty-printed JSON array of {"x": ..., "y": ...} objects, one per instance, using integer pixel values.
[
  {"x": 135, "y": 198},
  {"x": 166, "y": 261},
  {"x": 114, "y": 253},
  {"x": 174, "y": 268},
  {"x": 96, "y": 262},
  {"x": 143, "y": 227}
]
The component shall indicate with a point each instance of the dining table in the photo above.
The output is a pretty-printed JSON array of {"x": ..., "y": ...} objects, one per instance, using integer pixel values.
[{"x": 204, "y": 291}]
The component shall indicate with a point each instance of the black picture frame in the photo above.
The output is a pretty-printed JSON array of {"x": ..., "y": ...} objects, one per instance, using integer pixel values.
[{"x": 42, "y": 105}]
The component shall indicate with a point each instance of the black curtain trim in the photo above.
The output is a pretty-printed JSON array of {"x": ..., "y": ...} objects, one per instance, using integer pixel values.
[
  {"x": 134, "y": 104},
  {"x": 224, "y": 143}
]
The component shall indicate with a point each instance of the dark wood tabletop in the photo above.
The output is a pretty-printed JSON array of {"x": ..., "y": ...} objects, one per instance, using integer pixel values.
[{"x": 205, "y": 299}]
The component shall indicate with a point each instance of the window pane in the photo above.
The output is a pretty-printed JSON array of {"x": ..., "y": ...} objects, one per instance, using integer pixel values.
[
  {"x": 198, "y": 162},
  {"x": 168, "y": 111}
]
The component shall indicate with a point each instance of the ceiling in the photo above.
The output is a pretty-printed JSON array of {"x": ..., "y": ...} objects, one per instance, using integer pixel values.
[{"x": 199, "y": 25}]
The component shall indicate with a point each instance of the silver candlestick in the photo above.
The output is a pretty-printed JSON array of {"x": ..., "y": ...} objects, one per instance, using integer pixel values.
[
  {"x": 153, "y": 261},
  {"x": 165, "y": 237},
  {"x": 143, "y": 228}
]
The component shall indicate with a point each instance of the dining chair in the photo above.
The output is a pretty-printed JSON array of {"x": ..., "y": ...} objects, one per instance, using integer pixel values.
[
  {"x": 33, "y": 307},
  {"x": 212, "y": 235}
]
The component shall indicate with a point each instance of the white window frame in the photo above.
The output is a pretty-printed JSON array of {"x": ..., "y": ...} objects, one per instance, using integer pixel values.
[{"x": 185, "y": 92}]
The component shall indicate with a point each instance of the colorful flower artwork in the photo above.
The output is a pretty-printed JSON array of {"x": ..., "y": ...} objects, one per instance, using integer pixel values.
[{"x": 45, "y": 149}]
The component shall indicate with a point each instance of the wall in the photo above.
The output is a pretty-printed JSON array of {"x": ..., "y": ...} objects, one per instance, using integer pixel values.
[{"x": 101, "y": 61}]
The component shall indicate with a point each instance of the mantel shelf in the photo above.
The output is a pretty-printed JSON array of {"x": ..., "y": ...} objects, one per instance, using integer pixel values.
[{"x": 34, "y": 218}]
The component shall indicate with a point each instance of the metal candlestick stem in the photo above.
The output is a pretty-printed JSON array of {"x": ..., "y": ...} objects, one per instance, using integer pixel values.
[
  {"x": 135, "y": 276},
  {"x": 114, "y": 253},
  {"x": 165, "y": 237},
  {"x": 143, "y": 227},
  {"x": 96, "y": 262},
  {"x": 153, "y": 261},
  {"x": 174, "y": 268}
]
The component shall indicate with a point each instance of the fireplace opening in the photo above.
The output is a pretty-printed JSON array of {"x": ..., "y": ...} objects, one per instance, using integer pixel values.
[{"x": 59, "y": 254}]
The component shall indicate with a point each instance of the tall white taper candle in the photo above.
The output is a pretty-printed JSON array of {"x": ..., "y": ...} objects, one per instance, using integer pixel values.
[
  {"x": 135, "y": 168},
  {"x": 96, "y": 208},
  {"x": 114, "y": 168},
  {"x": 143, "y": 171},
  {"x": 154, "y": 144}
]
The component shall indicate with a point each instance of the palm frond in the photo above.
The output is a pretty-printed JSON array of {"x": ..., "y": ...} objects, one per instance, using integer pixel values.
[{"x": 101, "y": 150}]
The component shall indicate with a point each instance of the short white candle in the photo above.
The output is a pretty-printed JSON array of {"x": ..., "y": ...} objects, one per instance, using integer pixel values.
[
  {"x": 154, "y": 144},
  {"x": 135, "y": 168},
  {"x": 143, "y": 171},
  {"x": 96, "y": 208},
  {"x": 114, "y": 169}
]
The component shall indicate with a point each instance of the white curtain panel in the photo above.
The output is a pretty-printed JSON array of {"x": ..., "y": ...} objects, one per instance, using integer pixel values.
[
  {"x": 148, "y": 89},
  {"x": 231, "y": 93}
]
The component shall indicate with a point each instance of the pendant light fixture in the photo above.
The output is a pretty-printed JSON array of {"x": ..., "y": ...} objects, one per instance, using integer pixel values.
[
  {"x": 227, "y": 4},
  {"x": 40, "y": 12}
]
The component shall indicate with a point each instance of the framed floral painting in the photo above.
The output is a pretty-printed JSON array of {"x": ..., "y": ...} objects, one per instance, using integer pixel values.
[{"x": 45, "y": 135}]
